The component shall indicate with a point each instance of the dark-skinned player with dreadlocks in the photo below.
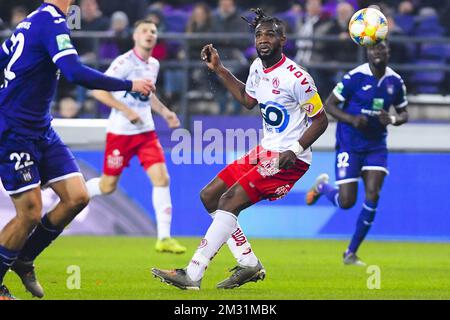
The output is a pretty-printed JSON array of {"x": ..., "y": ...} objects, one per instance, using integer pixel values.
[{"x": 293, "y": 119}]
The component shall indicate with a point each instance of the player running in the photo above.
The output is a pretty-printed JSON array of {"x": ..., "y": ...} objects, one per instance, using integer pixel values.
[
  {"x": 31, "y": 153},
  {"x": 361, "y": 103},
  {"x": 131, "y": 132},
  {"x": 293, "y": 118}
]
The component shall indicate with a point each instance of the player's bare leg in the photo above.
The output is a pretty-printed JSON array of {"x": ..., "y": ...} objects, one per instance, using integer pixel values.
[
  {"x": 28, "y": 207},
  {"x": 373, "y": 182},
  {"x": 162, "y": 205},
  {"x": 238, "y": 243},
  {"x": 231, "y": 203},
  {"x": 73, "y": 199}
]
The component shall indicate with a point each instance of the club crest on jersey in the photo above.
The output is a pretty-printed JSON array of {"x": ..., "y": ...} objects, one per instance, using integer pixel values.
[
  {"x": 26, "y": 175},
  {"x": 275, "y": 116},
  {"x": 390, "y": 89},
  {"x": 115, "y": 160},
  {"x": 276, "y": 82}
]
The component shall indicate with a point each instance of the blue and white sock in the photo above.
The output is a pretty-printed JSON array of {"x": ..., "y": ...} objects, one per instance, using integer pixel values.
[
  {"x": 330, "y": 192},
  {"x": 41, "y": 238},
  {"x": 7, "y": 258},
  {"x": 365, "y": 220}
]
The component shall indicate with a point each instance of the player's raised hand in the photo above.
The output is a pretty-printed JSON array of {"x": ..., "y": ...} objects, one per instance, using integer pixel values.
[
  {"x": 172, "y": 120},
  {"x": 360, "y": 121},
  {"x": 143, "y": 86},
  {"x": 133, "y": 116},
  {"x": 210, "y": 55},
  {"x": 385, "y": 118}
]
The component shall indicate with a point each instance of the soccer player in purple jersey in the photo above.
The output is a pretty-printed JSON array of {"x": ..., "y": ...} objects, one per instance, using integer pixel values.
[
  {"x": 361, "y": 103},
  {"x": 31, "y": 153}
]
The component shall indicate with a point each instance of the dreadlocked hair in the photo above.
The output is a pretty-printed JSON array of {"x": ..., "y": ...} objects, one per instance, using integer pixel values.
[{"x": 261, "y": 17}]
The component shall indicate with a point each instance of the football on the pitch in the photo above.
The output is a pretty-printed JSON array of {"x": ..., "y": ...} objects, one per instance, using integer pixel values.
[{"x": 368, "y": 27}]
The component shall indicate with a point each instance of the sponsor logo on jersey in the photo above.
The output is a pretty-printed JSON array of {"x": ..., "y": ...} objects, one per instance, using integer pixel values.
[
  {"x": 371, "y": 113},
  {"x": 367, "y": 87},
  {"x": 137, "y": 96},
  {"x": 63, "y": 41},
  {"x": 298, "y": 73},
  {"x": 340, "y": 87},
  {"x": 378, "y": 104},
  {"x": 275, "y": 116}
]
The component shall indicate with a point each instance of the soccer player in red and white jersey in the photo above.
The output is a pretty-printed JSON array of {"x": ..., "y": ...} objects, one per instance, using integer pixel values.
[
  {"x": 131, "y": 132},
  {"x": 293, "y": 118}
]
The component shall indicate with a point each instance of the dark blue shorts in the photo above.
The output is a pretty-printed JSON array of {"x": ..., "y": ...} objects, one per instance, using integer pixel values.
[
  {"x": 349, "y": 165},
  {"x": 28, "y": 162}
]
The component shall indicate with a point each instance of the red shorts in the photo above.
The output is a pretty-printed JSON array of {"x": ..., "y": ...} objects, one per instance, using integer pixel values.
[
  {"x": 121, "y": 148},
  {"x": 258, "y": 174}
]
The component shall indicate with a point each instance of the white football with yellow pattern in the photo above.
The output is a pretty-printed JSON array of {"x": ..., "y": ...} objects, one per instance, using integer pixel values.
[{"x": 368, "y": 27}]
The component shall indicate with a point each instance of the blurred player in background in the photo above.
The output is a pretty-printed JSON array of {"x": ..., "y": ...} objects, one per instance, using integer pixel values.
[
  {"x": 131, "y": 132},
  {"x": 361, "y": 104},
  {"x": 293, "y": 119},
  {"x": 31, "y": 153}
]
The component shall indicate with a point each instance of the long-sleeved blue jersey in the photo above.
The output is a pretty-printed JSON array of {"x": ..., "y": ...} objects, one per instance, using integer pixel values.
[{"x": 30, "y": 59}]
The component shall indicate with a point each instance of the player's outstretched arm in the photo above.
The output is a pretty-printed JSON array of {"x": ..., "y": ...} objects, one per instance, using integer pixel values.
[
  {"x": 332, "y": 107},
  {"x": 72, "y": 68},
  {"x": 163, "y": 111},
  {"x": 108, "y": 99},
  {"x": 210, "y": 55}
]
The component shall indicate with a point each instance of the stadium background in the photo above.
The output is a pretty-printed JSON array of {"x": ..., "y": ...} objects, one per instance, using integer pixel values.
[{"x": 414, "y": 202}]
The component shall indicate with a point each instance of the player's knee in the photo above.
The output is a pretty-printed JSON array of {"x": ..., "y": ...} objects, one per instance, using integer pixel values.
[
  {"x": 346, "y": 202},
  {"x": 32, "y": 219},
  {"x": 30, "y": 215},
  {"x": 207, "y": 197},
  {"x": 226, "y": 203},
  {"x": 162, "y": 180},
  {"x": 78, "y": 202},
  {"x": 372, "y": 195}
]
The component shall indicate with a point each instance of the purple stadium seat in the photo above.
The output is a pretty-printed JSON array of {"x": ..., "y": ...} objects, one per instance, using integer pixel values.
[
  {"x": 429, "y": 27},
  {"x": 428, "y": 81},
  {"x": 176, "y": 20},
  {"x": 433, "y": 51},
  {"x": 405, "y": 22},
  {"x": 289, "y": 18}
]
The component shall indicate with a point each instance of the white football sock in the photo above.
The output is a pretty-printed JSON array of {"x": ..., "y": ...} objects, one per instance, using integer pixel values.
[
  {"x": 162, "y": 204},
  {"x": 240, "y": 247},
  {"x": 93, "y": 187},
  {"x": 219, "y": 231}
]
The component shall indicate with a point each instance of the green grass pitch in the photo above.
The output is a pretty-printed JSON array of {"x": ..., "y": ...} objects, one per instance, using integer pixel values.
[{"x": 119, "y": 268}]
